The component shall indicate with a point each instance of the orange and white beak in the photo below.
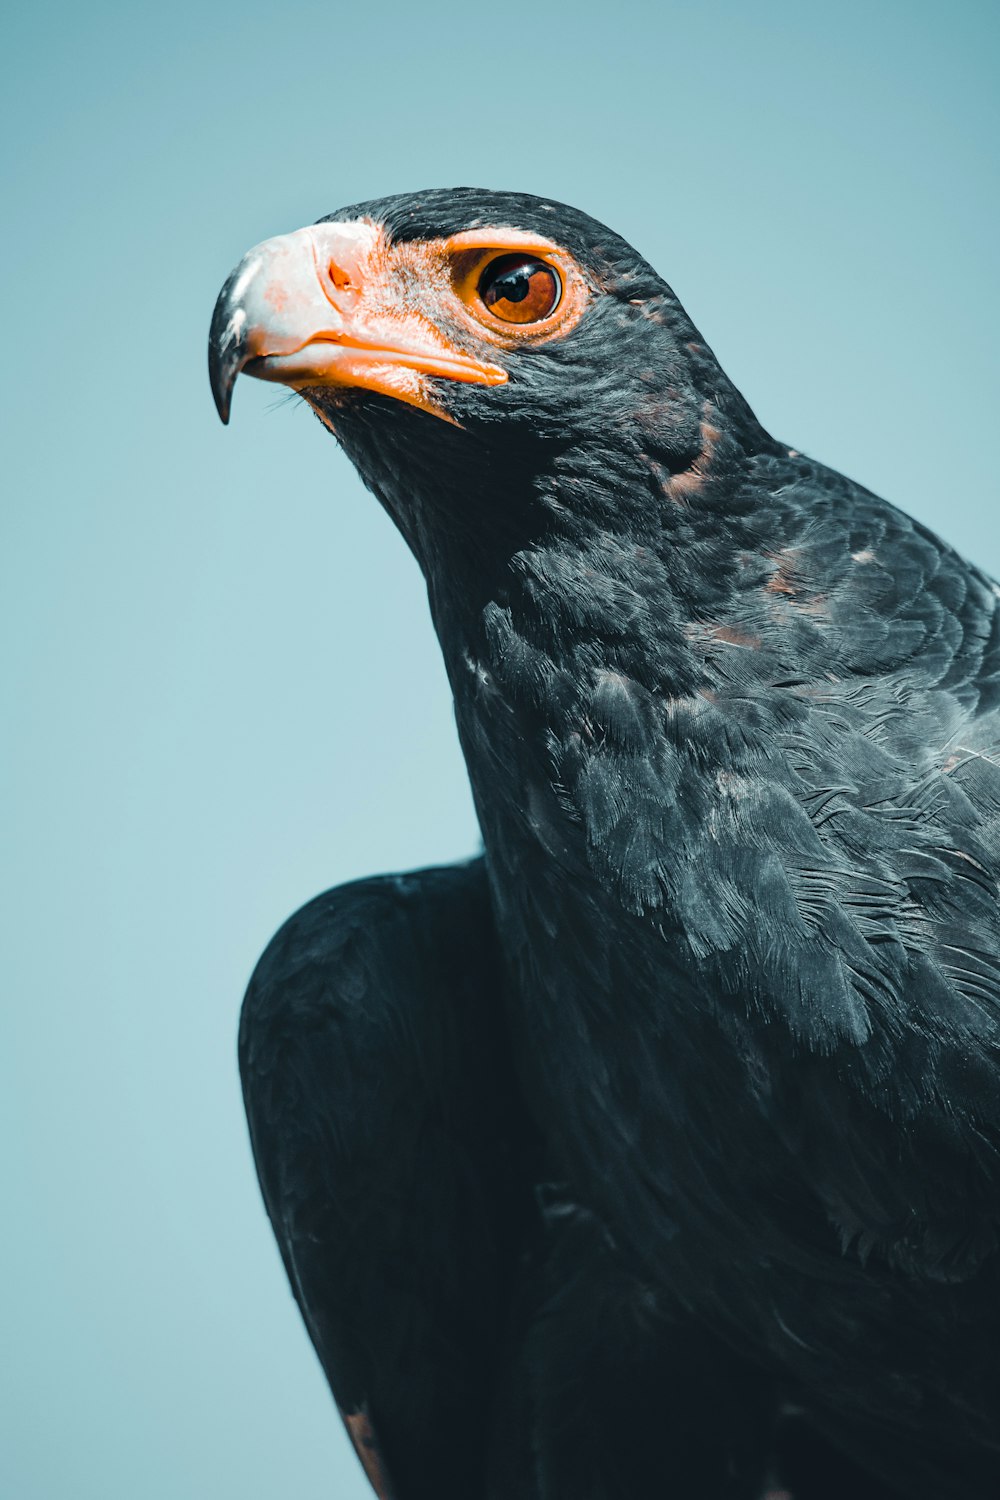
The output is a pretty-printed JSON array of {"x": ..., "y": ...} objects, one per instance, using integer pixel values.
[{"x": 317, "y": 308}]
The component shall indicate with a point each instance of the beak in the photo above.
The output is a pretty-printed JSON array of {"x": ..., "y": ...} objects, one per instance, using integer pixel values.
[{"x": 309, "y": 309}]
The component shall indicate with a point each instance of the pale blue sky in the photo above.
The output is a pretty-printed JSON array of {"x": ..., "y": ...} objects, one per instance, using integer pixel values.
[{"x": 220, "y": 689}]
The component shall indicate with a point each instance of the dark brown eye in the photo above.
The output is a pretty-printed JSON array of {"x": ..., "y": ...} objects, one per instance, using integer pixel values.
[{"x": 520, "y": 289}]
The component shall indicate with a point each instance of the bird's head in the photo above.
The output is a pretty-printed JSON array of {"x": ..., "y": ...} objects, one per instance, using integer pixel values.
[{"x": 468, "y": 348}]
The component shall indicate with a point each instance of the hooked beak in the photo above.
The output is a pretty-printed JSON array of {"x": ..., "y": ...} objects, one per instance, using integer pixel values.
[{"x": 298, "y": 310}]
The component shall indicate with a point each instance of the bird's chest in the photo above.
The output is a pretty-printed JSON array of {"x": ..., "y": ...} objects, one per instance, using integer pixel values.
[
  {"x": 659, "y": 1110},
  {"x": 713, "y": 1145}
]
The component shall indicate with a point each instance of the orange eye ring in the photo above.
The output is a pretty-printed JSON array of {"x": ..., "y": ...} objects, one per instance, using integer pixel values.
[
  {"x": 555, "y": 303},
  {"x": 520, "y": 289}
]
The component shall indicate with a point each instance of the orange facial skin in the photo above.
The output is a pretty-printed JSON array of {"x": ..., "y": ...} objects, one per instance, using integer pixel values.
[{"x": 337, "y": 305}]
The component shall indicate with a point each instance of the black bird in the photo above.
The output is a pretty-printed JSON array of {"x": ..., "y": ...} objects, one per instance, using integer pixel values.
[{"x": 658, "y": 1150}]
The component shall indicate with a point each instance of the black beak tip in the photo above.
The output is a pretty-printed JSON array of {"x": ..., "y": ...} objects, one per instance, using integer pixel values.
[
  {"x": 222, "y": 389},
  {"x": 226, "y": 351}
]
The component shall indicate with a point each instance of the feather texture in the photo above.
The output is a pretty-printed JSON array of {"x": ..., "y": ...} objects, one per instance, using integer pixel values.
[{"x": 732, "y": 725}]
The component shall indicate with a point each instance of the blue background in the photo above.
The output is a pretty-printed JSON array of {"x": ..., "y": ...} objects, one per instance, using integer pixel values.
[{"x": 220, "y": 688}]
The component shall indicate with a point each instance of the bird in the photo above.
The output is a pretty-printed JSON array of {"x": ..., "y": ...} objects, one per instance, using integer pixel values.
[{"x": 655, "y": 1150}]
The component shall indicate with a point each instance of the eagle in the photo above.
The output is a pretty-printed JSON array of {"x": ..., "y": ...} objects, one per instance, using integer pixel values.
[{"x": 655, "y": 1151}]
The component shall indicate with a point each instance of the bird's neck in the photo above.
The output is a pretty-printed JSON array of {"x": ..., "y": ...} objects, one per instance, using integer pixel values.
[{"x": 637, "y": 553}]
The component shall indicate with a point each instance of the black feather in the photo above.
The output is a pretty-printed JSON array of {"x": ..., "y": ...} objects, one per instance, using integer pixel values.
[{"x": 733, "y": 729}]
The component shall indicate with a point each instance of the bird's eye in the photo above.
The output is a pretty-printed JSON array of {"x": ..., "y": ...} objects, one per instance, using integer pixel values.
[{"x": 520, "y": 289}]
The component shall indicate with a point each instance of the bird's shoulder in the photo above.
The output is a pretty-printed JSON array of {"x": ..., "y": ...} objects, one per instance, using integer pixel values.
[
  {"x": 381, "y": 956},
  {"x": 386, "y": 1137}
]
